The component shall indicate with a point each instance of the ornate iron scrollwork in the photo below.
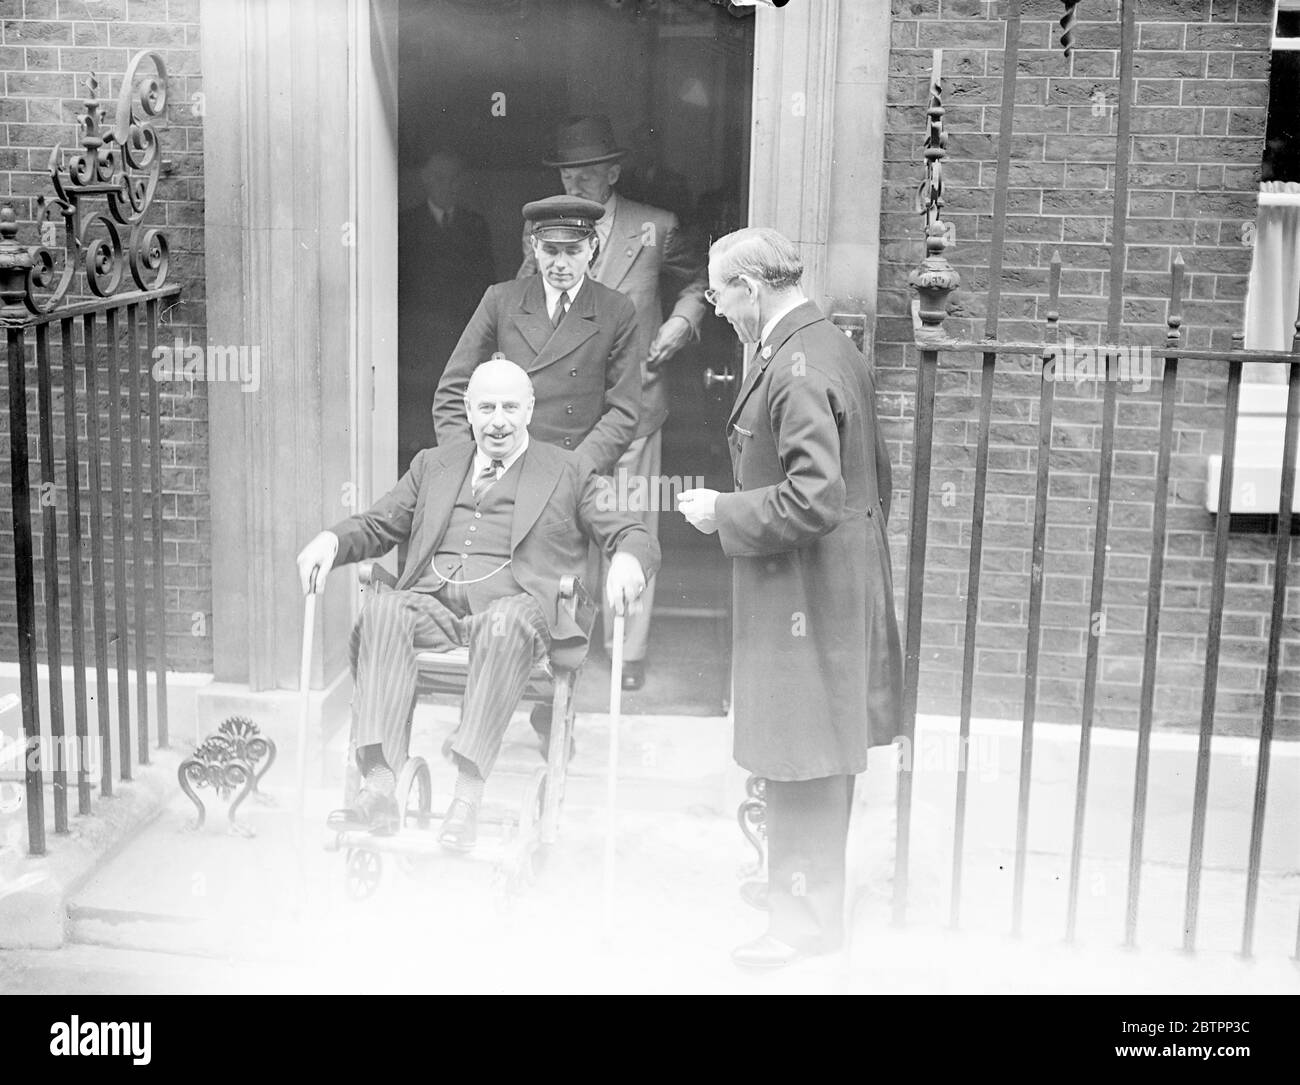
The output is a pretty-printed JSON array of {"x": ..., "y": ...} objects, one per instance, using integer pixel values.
[
  {"x": 1068, "y": 19},
  {"x": 120, "y": 164},
  {"x": 935, "y": 279},
  {"x": 227, "y": 759},
  {"x": 752, "y": 816}
]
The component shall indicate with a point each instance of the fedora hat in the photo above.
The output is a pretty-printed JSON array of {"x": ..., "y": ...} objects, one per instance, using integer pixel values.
[{"x": 584, "y": 141}]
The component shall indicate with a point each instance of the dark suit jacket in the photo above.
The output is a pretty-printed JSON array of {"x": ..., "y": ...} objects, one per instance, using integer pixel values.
[
  {"x": 647, "y": 250},
  {"x": 585, "y": 373},
  {"x": 818, "y": 663},
  {"x": 561, "y": 504},
  {"x": 442, "y": 272}
]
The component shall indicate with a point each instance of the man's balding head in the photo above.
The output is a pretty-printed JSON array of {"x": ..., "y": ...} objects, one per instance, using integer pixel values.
[{"x": 499, "y": 402}]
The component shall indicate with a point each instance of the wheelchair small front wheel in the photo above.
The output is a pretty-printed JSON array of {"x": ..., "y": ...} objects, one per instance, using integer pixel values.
[{"x": 363, "y": 870}]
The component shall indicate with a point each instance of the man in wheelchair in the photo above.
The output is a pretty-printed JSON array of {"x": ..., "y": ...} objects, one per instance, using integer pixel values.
[{"x": 491, "y": 526}]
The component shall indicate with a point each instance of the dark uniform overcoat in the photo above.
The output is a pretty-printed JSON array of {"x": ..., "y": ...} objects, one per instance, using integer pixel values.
[
  {"x": 586, "y": 374},
  {"x": 817, "y": 659}
]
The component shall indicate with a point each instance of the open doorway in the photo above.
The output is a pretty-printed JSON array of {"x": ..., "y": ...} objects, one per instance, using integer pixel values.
[{"x": 485, "y": 83}]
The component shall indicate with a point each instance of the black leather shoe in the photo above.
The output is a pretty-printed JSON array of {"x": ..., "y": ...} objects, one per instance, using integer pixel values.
[
  {"x": 767, "y": 953},
  {"x": 373, "y": 811},
  {"x": 459, "y": 828},
  {"x": 633, "y": 674}
]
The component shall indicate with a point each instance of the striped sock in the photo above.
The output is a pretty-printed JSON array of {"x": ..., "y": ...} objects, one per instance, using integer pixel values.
[
  {"x": 381, "y": 779},
  {"x": 469, "y": 784}
]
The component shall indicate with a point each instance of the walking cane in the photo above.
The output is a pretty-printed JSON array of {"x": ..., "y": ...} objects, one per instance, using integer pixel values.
[
  {"x": 611, "y": 782},
  {"x": 304, "y": 713}
]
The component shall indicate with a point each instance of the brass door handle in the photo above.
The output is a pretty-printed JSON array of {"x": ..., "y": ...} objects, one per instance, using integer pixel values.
[{"x": 711, "y": 378}]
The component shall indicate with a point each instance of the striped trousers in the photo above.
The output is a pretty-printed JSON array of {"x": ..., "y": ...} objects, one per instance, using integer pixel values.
[{"x": 505, "y": 641}]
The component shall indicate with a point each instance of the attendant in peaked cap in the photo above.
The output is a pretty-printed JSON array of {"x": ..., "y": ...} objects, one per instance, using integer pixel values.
[
  {"x": 646, "y": 255},
  {"x": 576, "y": 339}
]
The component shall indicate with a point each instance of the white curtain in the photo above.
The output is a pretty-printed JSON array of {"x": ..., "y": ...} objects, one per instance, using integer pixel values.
[{"x": 1274, "y": 291}]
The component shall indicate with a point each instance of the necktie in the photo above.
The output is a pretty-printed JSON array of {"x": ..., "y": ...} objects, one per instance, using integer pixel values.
[
  {"x": 485, "y": 478},
  {"x": 561, "y": 307}
]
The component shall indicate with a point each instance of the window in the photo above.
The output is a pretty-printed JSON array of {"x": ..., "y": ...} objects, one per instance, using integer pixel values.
[{"x": 1271, "y": 297}]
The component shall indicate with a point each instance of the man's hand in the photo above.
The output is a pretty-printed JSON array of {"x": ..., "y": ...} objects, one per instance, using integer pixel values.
[
  {"x": 700, "y": 509},
  {"x": 317, "y": 554},
  {"x": 624, "y": 584},
  {"x": 674, "y": 334}
]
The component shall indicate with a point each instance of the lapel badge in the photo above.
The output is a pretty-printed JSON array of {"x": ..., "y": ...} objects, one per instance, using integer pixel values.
[{"x": 767, "y": 352}]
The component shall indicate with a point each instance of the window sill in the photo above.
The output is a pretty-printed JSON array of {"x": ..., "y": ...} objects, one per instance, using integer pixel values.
[{"x": 1257, "y": 472}]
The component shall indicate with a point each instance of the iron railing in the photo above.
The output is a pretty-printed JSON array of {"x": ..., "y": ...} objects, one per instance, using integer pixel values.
[
  {"x": 89, "y": 294},
  {"x": 935, "y": 279}
]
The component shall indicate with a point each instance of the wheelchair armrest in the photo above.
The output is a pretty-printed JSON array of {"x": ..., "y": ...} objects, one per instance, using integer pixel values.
[
  {"x": 578, "y": 602},
  {"x": 371, "y": 572}
]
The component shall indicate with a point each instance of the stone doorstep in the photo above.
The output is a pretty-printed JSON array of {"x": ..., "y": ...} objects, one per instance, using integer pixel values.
[{"x": 35, "y": 892}]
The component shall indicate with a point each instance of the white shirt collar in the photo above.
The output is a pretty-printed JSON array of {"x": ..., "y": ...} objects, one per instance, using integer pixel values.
[
  {"x": 482, "y": 462},
  {"x": 553, "y": 293},
  {"x": 775, "y": 319},
  {"x": 605, "y": 223}
]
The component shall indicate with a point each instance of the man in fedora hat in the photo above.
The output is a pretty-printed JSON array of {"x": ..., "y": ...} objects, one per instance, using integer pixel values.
[
  {"x": 639, "y": 248},
  {"x": 574, "y": 338}
]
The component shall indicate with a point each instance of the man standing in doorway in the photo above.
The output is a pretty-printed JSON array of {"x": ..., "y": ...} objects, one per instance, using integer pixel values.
[
  {"x": 818, "y": 665},
  {"x": 640, "y": 248},
  {"x": 444, "y": 263}
]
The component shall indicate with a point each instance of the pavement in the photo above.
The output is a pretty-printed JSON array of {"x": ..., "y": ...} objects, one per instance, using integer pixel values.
[{"x": 185, "y": 911}]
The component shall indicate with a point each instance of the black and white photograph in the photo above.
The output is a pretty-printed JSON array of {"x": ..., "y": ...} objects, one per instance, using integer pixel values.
[{"x": 675, "y": 497}]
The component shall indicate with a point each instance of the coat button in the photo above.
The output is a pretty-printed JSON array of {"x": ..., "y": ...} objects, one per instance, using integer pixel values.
[
  {"x": 573, "y": 372},
  {"x": 868, "y": 512},
  {"x": 568, "y": 409},
  {"x": 568, "y": 441}
]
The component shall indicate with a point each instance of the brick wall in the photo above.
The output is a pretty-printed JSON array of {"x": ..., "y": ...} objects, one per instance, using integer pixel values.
[
  {"x": 47, "y": 48},
  {"x": 1201, "y": 95}
]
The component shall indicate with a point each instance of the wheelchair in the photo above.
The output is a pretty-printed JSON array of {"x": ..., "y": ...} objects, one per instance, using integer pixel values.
[{"x": 529, "y": 829}]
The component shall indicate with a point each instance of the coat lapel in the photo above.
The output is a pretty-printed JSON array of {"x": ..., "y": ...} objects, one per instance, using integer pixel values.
[
  {"x": 538, "y": 479},
  {"x": 793, "y": 321},
  {"x": 576, "y": 328},
  {"x": 624, "y": 243},
  {"x": 531, "y": 319},
  {"x": 442, "y": 479}
]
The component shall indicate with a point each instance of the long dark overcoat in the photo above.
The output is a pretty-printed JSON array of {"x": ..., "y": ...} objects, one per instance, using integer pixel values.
[{"x": 817, "y": 659}]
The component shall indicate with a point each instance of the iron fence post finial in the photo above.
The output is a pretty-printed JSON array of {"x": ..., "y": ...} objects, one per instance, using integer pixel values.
[
  {"x": 935, "y": 278},
  {"x": 15, "y": 266}
]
